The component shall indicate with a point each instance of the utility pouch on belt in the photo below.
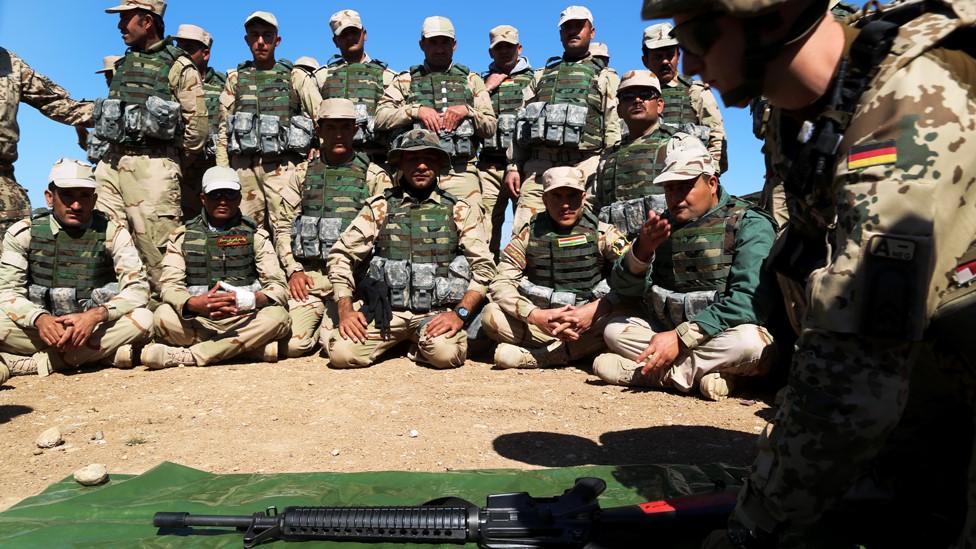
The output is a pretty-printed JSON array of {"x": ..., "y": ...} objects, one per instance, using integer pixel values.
[
  {"x": 450, "y": 290},
  {"x": 161, "y": 119},
  {"x": 560, "y": 299},
  {"x": 575, "y": 120},
  {"x": 37, "y": 295},
  {"x": 210, "y": 146},
  {"x": 540, "y": 296},
  {"x": 305, "y": 243},
  {"x": 602, "y": 289},
  {"x": 464, "y": 138},
  {"x": 64, "y": 301},
  {"x": 97, "y": 148},
  {"x": 101, "y": 296},
  {"x": 109, "y": 123},
  {"x": 330, "y": 228},
  {"x": 270, "y": 135},
  {"x": 364, "y": 125},
  {"x": 299, "y": 133},
  {"x": 531, "y": 123},
  {"x": 132, "y": 122},
  {"x": 246, "y": 132},
  {"x": 505, "y": 131},
  {"x": 555, "y": 123},
  {"x": 422, "y": 286},
  {"x": 397, "y": 275}
]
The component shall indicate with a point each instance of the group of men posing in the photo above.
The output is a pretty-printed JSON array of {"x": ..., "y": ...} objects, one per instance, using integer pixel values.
[{"x": 213, "y": 226}]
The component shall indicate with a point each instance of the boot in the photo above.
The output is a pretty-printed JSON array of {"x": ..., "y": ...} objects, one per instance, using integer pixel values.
[
  {"x": 157, "y": 356},
  {"x": 512, "y": 356},
  {"x": 123, "y": 357},
  {"x": 716, "y": 386},
  {"x": 267, "y": 353},
  {"x": 17, "y": 365}
]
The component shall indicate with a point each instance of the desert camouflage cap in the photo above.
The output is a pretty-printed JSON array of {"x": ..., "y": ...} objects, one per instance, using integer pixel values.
[
  {"x": 220, "y": 177},
  {"x": 503, "y": 33},
  {"x": 307, "y": 61},
  {"x": 639, "y": 79},
  {"x": 563, "y": 176},
  {"x": 573, "y": 13},
  {"x": 659, "y": 36},
  {"x": 155, "y": 6},
  {"x": 72, "y": 174},
  {"x": 265, "y": 16},
  {"x": 108, "y": 64},
  {"x": 193, "y": 32},
  {"x": 437, "y": 26},
  {"x": 599, "y": 49},
  {"x": 661, "y": 9},
  {"x": 687, "y": 158},
  {"x": 344, "y": 19},
  {"x": 417, "y": 140},
  {"x": 336, "y": 108}
]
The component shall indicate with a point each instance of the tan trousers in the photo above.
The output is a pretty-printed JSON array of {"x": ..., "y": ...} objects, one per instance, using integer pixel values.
[
  {"x": 14, "y": 203},
  {"x": 495, "y": 198},
  {"x": 463, "y": 181},
  {"x": 263, "y": 184},
  {"x": 439, "y": 352},
  {"x": 503, "y": 328},
  {"x": 131, "y": 329},
  {"x": 312, "y": 320},
  {"x": 142, "y": 192},
  {"x": 215, "y": 341},
  {"x": 745, "y": 350},
  {"x": 530, "y": 194}
]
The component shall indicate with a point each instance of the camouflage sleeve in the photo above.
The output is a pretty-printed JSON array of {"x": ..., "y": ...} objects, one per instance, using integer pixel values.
[
  {"x": 482, "y": 113},
  {"x": 272, "y": 278},
  {"x": 133, "y": 282},
  {"x": 393, "y": 111},
  {"x": 613, "y": 243},
  {"x": 511, "y": 270},
  {"x": 389, "y": 76},
  {"x": 290, "y": 208},
  {"x": 355, "y": 245},
  {"x": 611, "y": 121},
  {"x": 172, "y": 280},
  {"x": 13, "y": 276},
  {"x": 51, "y": 99},
  {"x": 378, "y": 180},
  {"x": 184, "y": 79},
  {"x": 474, "y": 243},
  {"x": 308, "y": 92},
  {"x": 708, "y": 112},
  {"x": 227, "y": 99}
]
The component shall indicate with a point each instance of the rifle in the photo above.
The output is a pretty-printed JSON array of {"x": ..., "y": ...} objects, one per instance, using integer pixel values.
[{"x": 508, "y": 521}]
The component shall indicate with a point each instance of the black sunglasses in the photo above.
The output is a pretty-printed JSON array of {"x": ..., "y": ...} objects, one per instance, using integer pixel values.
[
  {"x": 224, "y": 194},
  {"x": 697, "y": 36},
  {"x": 644, "y": 95}
]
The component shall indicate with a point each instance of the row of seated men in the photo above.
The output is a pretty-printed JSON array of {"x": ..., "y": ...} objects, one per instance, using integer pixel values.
[{"x": 367, "y": 259}]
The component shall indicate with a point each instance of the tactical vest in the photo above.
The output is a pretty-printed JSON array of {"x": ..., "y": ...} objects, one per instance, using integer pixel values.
[
  {"x": 699, "y": 255},
  {"x": 213, "y": 85},
  {"x": 419, "y": 233},
  {"x": 267, "y": 92},
  {"x": 576, "y": 83},
  {"x": 677, "y": 104},
  {"x": 564, "y": 261},
  {"x": 212, "y": 256},
  {"x": 629, "y": 172},
  {"x": 335, "y": 191},
  {"x": 507, "y": 98},
  {"x": 440, "y": 90},
  {"x": 67, "y": 260},
  {"x": 141, "y": 75},
  {"x": 359, "y": 82}
]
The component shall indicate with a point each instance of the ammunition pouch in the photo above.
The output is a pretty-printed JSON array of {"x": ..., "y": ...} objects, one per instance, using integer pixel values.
[
  {"x": 269, "y": 135},
  {"x": 422, "y": 286},
  {"x": 108, "y": 116},
  {"x": 64, "y": 301},
  {"x": 548, "y": 298},
  {"x": 365, "y": 125},
  {"x": 416, "y": 286},
  {"x": 242, "y": 134},
  {"x": 701, "y": 132},
  {"x": 117, "y": 122},
  {"x": 531, "y": 124},
  {"x": 629, "y": 215},
  {"x": 160, "y": 119},
  {"x": 459, "y": 143},
  {"x": 313, "y": 237},
  {"x": 97, "y": 148},
  {"x": 298, "y": 135},
  {"x": 210, "y": 146},
  {"x": 558, "y": 125},
  {"x": 504, "y": 133},
  {"x": 673, "y": 308}
]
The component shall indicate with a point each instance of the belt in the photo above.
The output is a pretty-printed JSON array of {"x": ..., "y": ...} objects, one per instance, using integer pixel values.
[
  {"x": 493, "y": 158},
  {"x": 168, "y": 151},
  {"x": 560, "y": 156}
]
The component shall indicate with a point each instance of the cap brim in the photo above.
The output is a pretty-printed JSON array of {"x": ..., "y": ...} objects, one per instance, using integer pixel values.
[
  {"x": 502, "y": 41},
  {"x": 656, "y": 44},
  {"x": 394, "y": 155},
  {"x": 568, "y": 19},
  {"x": 124, "y": 7},
  {"x": 432, "y": 34},
  {"x": 74, "y": 184},
  {"x": 624, "y": 86},
  {"x": 259, "y": 18},
  {"x": 564, "y": 185},
  {"x": 219, "y": 185},
  {"x": 322, "y": 117},
  {"x": 339, "y": 30},
  {"x": 676, "y": 177}
]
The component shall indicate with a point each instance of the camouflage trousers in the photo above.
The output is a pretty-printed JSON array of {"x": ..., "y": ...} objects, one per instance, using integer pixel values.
[
  {"x": 215, "y": 341},
  {"x": 191, "y": 185},
  {"x": 14, "y": 202},
  {"x": 530, "y": 194},
  {"x": 143, "y": 193},
  {"x": 503, "y": 328},
  {"x": 131, "y": 329},
  {"x": 439, "y": 352},
  {"x": 495, "y": 198},
  {"x": 745, "y": 350},
  {"x": 463, "y": 181},
  {"x": 263, "y": 185},
  {"x": 312, "y": 320}
]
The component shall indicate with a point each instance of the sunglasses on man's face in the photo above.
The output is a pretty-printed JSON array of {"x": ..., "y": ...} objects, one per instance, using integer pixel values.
[
  {"x": 639, "y": 96},
  {"x": 224, "y": 194},
  {"x": 697, "y": 36}
]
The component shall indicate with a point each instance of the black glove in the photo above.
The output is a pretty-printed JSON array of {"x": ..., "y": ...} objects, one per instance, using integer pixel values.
[{"x": 376, "y": 303}]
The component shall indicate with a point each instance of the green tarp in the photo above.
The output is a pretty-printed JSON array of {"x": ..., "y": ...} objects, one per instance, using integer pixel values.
[{"x": 119, "y": 513}]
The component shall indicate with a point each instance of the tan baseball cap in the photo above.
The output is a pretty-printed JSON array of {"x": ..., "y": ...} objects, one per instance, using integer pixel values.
[
  {"x": 639, "y": 79},
  {"x": 659, "y": 36},
  {"x": 265, "y": 16},
  {"x": 307, "y": 61},
  {"x": 563, "y": 176},
  {"x": 193, "y": 32},
  {"x": 599, "y": 49},
  {"x": 437, "y": 26},
  {"x": 686, "y": 159},
  {"x": 337, "y": 109},
  {"x": 72, "y": 174},
  {"x": 155, "y": 6},
  {"x": 343, "y": 19},
  {"x": 108, "y": 64},
  {"x": 503, "y": 33},
  {"x": 572, "y": 13},
  {"x": 220, "y": 177}
]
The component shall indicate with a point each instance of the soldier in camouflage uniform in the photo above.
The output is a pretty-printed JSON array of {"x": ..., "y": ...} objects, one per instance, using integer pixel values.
[
  {"x": 196, "y": 42},
  {"x": 267, "y": 113},
  {"x": 426, "y": 251},
  {"x": 223, "y": 289},
  {"x": 72, "y": 287},
  {"x": 19, "y": 82},
  {"x": 154, "y": 119},
  {"x": 881, "y": 173},
  {"x": 447, "y": 98},
  {"x": 335, "y": 186},
  {"x": 698, "y": 269},
  {"x": 688, "y": 104},
  {"x": 569, "y": 117},
  {"x": 548, "y": 301},
  {"x": 508, "y": 75},
  {"x": 623, "y": 185},
  {"x": 354, "y": 75}
]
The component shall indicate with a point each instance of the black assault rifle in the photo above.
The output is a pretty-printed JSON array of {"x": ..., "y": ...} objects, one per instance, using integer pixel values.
[{"x": 507, "y": 521}]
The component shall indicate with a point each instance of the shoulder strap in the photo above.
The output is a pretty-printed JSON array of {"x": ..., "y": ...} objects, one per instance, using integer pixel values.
[
  {"x": 553, "y": 61},
  {"x": 288, "y": 65},
  {"x": 379, "y": 63},
  {"x": 462, "y": 69}
]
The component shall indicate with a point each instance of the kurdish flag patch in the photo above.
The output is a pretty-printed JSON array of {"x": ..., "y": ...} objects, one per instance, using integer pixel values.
[
  {"x": 570, "y": 241},
  {"x": 872, "y": 154}
]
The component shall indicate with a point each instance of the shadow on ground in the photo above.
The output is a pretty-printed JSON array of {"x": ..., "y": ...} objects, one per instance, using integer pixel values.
[{"x": 10, "y": 411}]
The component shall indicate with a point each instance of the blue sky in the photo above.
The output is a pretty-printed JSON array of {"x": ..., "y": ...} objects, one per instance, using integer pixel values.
[{"x": 66, "y": 39}]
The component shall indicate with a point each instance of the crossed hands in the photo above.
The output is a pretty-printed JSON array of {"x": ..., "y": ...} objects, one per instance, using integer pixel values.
[
  {"x": 217, "y": 303},
  {"x": 446, "y": 121},
  {"x": 567, "y": 323},
  {"x": 69, "y": 332}
]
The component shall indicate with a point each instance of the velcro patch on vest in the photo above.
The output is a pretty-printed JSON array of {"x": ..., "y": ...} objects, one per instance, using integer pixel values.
[
  {"x": 231, "y": 241},
  {"x": 872, "y": 154},
  {"x": 965, "y": 273},
  {"x": 892, "y": 248},
  {"x": 570, "y": 241}
]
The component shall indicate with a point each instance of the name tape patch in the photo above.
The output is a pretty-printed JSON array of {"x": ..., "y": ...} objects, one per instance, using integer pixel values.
[
  {"x": 231, "y": 241},
  {"x": 892, "y": 248}
]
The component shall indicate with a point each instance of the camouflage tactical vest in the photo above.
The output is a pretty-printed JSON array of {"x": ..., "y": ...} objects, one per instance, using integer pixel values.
[
  {"x": 567, "y": 261},
  {"x": 419, "y": 233},
  {"x": 507, "y": 98},
  {"x": 629, "y": 172},
  {"x": 335, "y": 191},
  {"x": 678, "y": 109},
  {"x": 699, "y": 255},
  {"x": 576, "y": 83},
  {"x": 359, "y": 82},
  {"x": 69, "y": 260},
  {"x": 267, "y": 92},
  {"x": 141, "y": 75},
  {"x": 213, "y": 85},
  {"x": 440, "y": 90},
  {"x": 212, "y": 256}
]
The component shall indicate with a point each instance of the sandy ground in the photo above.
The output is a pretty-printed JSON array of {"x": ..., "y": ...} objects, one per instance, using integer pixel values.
[{"x": 298, "y": 415}]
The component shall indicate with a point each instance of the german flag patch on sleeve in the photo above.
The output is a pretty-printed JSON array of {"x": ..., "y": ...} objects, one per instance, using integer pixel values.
[{"x": 872, "y": 154}]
